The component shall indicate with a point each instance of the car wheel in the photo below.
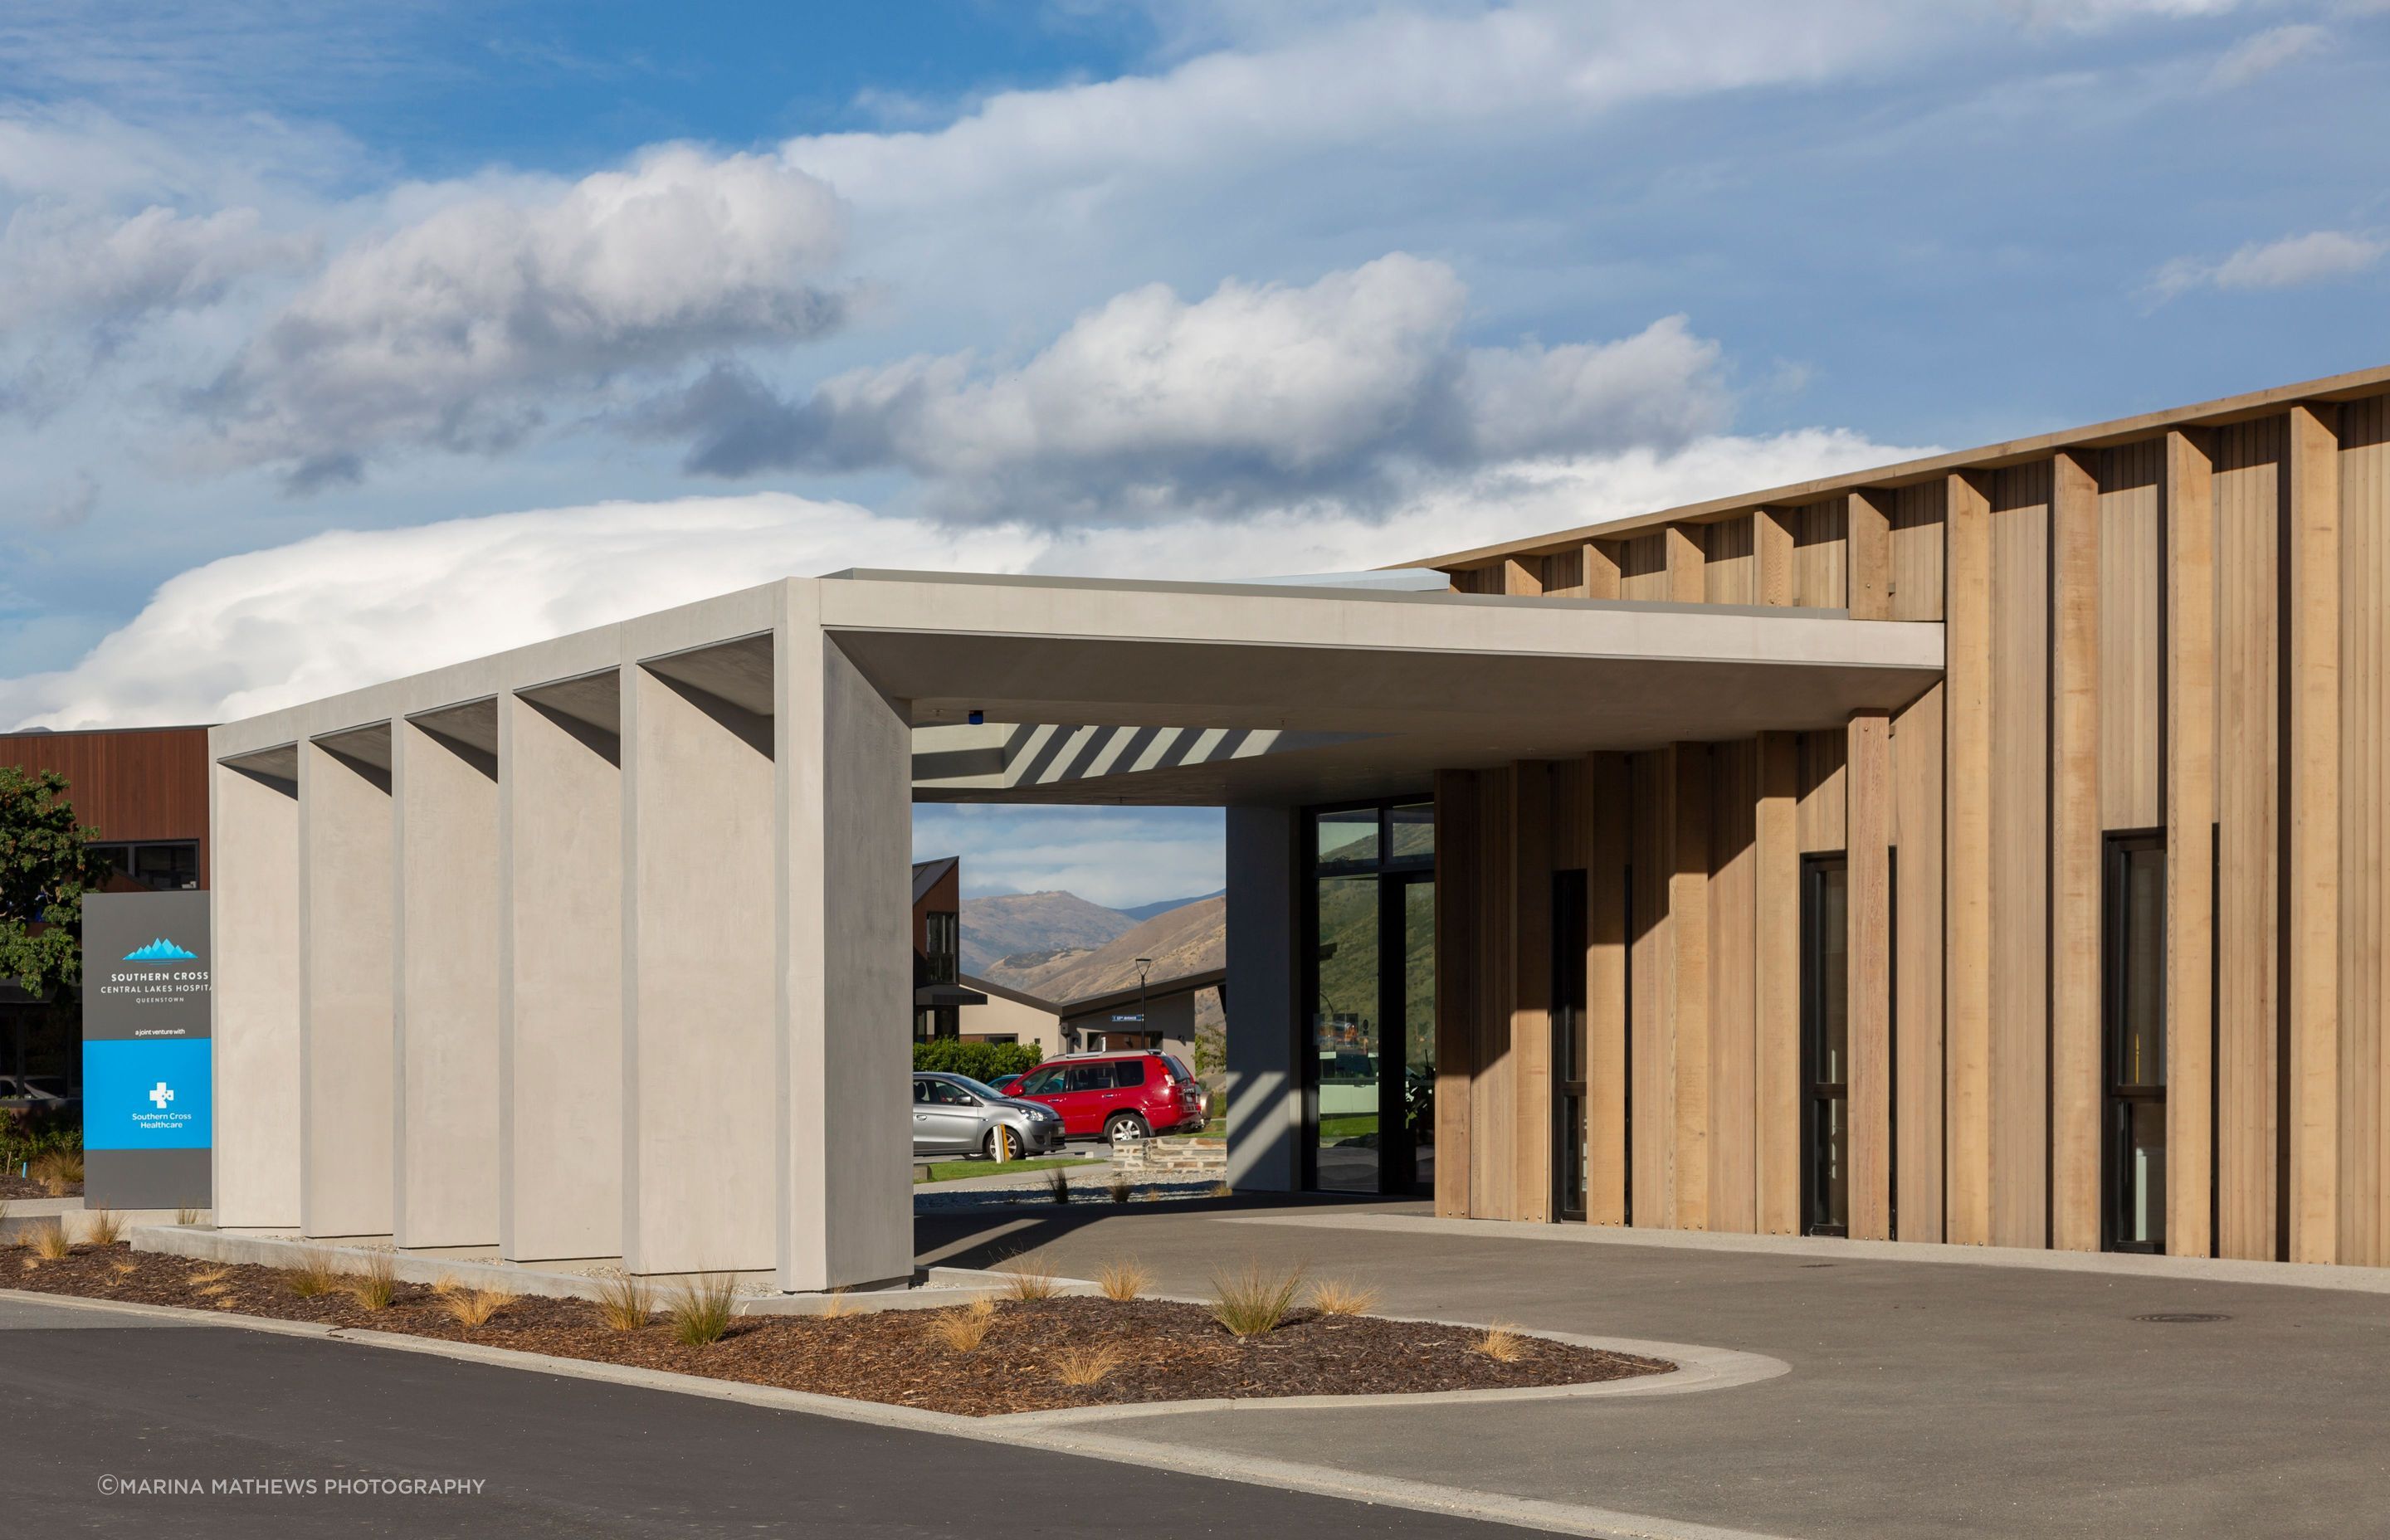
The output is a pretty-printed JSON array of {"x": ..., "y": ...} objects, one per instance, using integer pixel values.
[
  {"x": 1003, "y": 1144},
  {"x": 1125, "y": 1128}
]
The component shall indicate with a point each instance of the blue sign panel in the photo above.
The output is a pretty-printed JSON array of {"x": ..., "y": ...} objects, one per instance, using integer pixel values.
[{"x": 146, "y": 1094}]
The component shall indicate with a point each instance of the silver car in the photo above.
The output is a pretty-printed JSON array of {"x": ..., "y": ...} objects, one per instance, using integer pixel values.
[{"x": 957, "y": 1115}]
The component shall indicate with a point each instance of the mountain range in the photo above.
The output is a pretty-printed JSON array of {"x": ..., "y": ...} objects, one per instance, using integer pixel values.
[{"x": 1059, "y": 947}]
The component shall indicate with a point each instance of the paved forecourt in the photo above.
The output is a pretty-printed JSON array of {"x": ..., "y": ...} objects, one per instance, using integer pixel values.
[
  {"x": 1925, "y": 1398},
  {"x": 99, "y": 1400}
]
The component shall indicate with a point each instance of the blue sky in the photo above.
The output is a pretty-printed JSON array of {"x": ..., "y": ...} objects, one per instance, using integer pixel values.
[{"x": 338, "y": 342}]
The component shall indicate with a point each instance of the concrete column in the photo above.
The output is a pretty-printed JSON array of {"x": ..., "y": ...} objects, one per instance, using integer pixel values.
[
  {"x": 845, "y": 977},
  {"x": 253, "y": 836},
  {"x": 561, "y": 983},
  {"x": 346, "y": 1036},
  {"x": 1264, "y": 1080},
  {"x": 444, "y": 796},
  {"x": 700, "y": 987}
]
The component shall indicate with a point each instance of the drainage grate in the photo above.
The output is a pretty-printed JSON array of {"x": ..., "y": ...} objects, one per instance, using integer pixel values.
[{"x": 2180, "y": 1319}]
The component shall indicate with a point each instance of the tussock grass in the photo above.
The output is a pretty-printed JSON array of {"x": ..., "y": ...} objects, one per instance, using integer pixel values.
[
  {"x": 213, "y": 1290},
  {"x": 314, "y": 1278},
  {"x": 962, "y": 1329},
  {"x": 57, "y": 1171},
  {"x": 445, "y": 1285},
  {"x": 52, "y": 1245},
  {"x": 375, "y": 1285},
  {"x": 1086, "y": 1366},
  {"x": 1031, "y": 1281},
  {"x": 702, "y": 1309},
  {"x": 1335, "y": 1297},
  {"x": 1221, "y": 1189},
  {"x": 1058, "y": 1186},
  {"x": 124, "y": 1269},
  {"x": 209, "y": 1275},
  {"x": 1124, "y": 1278},
  {"x": 1120, "y": 1188},
  {"x": 624, "y": 1302},
  {"x": 107, "y": 1227},
  {"x": 839, "y": 1306},
  {"x": 1254, "y": 1301},
  {"x": 1502, "y": 1343},
  {"x": 474, "y": 1307},
  {"x": 187, "y": 1216}
]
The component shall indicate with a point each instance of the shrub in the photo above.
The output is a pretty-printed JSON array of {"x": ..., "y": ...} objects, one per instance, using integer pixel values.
[
  {"x": 1124, "y": 1278},
  {"x": 1086, "y": 1365},
  {"x": 1254, "y": 1301},
  {"x": 1333, "y": 1297},
  {"x": 105, "y": 1228},
  {"x": 981, "y": 1062},
  {"x": 375, "y": 1285},
  {"x": 1501, "y": 1343},
  {"x": 313, "y": 1277},
  {"x": 625, "y": 1303},
  {"x": 700, "y": 1311}
]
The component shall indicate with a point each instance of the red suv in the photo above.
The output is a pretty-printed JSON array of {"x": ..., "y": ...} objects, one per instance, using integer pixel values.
[{"x": 1117, "y": 1096}]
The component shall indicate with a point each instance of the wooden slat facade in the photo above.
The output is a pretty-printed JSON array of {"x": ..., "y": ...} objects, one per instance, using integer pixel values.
[
  {"x": 2173, "y": 630},
  {"x": 137, "y": 783}
]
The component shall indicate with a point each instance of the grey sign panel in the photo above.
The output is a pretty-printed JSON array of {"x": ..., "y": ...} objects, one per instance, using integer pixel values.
[{"x": 149, "y": 1118}]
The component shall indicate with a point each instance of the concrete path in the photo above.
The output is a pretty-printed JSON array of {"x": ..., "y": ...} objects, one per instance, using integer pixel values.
[
  {"x": 1926, "y": 1398},
  {"x": 101, "y": 1406}
]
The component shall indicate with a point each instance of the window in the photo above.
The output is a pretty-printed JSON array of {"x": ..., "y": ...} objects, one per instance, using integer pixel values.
[
  {"x": 168, "y": 866},
  {"x": 1825, "y": 1045},
  {"x": 1129, "y": 1073},
  {"x": 945, "y": 1093},
  {"x": 943, "y": 946},
  {"x": 1568, "y": 1042},
  {"x": 1045, "y": 1081},
  {"x": 2133, "y": 1041}
]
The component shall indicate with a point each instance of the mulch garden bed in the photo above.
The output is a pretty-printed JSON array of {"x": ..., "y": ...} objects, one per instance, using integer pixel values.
[
  {"x": 14, "y": 1186},
  {"x": 1162, "y": 1352}
]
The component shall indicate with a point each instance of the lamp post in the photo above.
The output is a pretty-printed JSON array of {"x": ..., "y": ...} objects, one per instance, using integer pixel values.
[{"x": 1144, "y": 1022}]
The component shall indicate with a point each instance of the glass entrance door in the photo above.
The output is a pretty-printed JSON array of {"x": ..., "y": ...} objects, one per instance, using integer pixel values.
[{"x": 1370, "y": 1098}]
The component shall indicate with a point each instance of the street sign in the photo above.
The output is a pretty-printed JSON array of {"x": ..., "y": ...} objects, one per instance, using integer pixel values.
[{"x": 148, "y": 1124}]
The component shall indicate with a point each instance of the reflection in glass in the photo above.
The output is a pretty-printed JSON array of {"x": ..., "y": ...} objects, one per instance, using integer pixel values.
[
  {"x": 1348, "y": 838},
  {"x": 2134, "y": 964},
  {"x": 1825, "y": 1029},
  {"x": 1410, "y": 829},
  {"x": 1344, "y": 1030},
  {"x": 1419, "y": 1027}
]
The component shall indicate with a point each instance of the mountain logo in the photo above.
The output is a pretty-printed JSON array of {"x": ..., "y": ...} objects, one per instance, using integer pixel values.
[{"x": 161, "y": 950}]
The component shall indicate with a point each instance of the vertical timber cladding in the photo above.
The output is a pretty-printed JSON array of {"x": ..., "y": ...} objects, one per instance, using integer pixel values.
[
  {"x": 1456, "y": 946},
  {"x": 2188, "y": 503},
  {"x": 2019, "y": 1035},
  {"x": 2365, "y": 813},
  {"x": 2248, "y": 574}
]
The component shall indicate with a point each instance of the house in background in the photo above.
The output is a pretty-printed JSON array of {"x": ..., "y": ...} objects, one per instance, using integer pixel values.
[
  {"x": 1159, "y": 1015},
  {"x": 939, "y": 993}
]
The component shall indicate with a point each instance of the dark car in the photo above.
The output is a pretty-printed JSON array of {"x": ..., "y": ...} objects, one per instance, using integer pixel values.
[{"x": 1117, "y": 1096}]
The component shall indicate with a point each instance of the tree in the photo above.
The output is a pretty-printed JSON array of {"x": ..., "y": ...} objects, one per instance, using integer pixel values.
[{"x": 45, "y": 870}]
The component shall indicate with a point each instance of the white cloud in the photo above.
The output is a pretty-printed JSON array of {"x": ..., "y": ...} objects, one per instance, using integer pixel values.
[
  {"x": 1150, "y": 407},
  {"x": 247, "y": 634},
  {"x": 461, "y": 327},
  {"x": 62, "y": 264},
  {"x": 2319, "y": 256},
  {"x": 2261, "y": 53}
]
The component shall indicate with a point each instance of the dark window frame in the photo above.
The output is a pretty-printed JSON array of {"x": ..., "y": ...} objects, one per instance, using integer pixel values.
[
  {"x": 1814, "y": 1091},
  {"x": 2120, "y": 1101}
]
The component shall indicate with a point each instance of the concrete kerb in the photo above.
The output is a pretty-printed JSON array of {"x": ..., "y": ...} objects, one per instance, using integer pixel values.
[
  {"x": 2290, "y": 1275},
  {"x": 1044, "y": 1431},
  {"x": 939, "y": 1287}
]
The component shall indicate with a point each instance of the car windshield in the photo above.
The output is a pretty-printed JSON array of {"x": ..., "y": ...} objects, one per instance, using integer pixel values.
[{"x": 973, "y": 1086}]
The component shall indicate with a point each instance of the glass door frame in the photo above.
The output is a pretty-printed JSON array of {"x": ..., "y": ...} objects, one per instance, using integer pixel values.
[
  {"x": 1395, "y": 875},
  {"x": 1819, "y": 986}
]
